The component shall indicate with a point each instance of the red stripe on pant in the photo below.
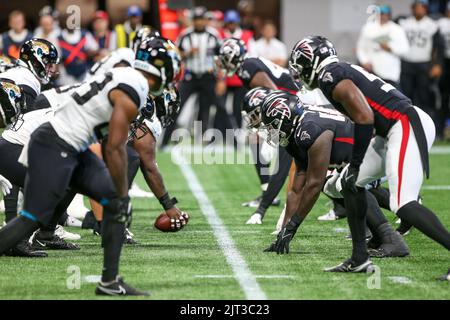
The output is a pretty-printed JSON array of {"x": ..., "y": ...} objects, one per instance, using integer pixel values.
[{"x": 404, "y": 144}]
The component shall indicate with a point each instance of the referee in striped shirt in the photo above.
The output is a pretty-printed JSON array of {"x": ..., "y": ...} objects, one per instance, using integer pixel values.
[{"x": 198, "y": 45}]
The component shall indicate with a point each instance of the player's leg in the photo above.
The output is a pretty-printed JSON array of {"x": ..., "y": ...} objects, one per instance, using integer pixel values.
[
  {"x": 51, "y": 160},
  {"x": 356, "y": 205},
  {"x": 403, "y": 158},
  {"x": 92, "y": 178},
  {"x": 276, "y": 182}
]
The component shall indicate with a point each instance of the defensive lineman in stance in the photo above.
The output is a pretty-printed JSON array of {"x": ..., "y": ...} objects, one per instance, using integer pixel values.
[
  {"x": 58, "y": 153},
  {"x": 404, "y": 135}
]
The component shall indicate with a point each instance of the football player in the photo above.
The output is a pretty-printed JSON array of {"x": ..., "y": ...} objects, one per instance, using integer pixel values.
[
  {"x": 105, "y": 104},
  {"x": 318, "y": 139},
  {"x": 404, "y": 135},
  {"x": 259, "y": 72}
]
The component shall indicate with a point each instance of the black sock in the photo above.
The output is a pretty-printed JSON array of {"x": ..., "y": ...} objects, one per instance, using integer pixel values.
[
  {"x": 375, "y": 216},
  {"x": 88, "y": 221},
  {"x": 113, "y": 234},
  {"x": 426, "y": 221},
  {"x": 260, "y": 165},
  {"x": 276, "y": 181},
  {"x": 16, "y": 230},
  {"x": 11, "y": 200},
  {"x": 382, "y": 196},
  {"x": 356, "y": 205}
]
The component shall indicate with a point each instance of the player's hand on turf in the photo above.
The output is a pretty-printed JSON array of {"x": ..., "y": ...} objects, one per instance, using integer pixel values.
[
  {"x": 284, "y": 238},
  {"x": 349, "y": 178},
  {"x": 5, "y": 185}
]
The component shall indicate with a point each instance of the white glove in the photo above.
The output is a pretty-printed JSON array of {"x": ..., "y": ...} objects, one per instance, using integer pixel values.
[
  {"x": 255, "y": 219},
  {"x": 5, "y": 185}
]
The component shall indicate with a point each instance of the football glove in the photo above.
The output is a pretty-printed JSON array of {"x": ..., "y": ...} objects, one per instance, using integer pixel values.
[
  {"x": 176, "y": 224},
  {"x": 5, "y": 185},
  {"x": 284, "y": 237}
]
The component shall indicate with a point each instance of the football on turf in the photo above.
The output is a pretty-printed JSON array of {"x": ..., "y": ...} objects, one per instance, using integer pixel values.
[{"x": 162, "y": 223}]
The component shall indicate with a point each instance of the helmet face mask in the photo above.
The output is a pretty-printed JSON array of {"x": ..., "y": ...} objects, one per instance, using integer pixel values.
[
  {"x": 161, "y": 59},
  {"x": 309, "y": 56},
  {"x": 279, "y": 112},
  {"x": 231, "y": 55},
  {"x": 41, "y": 57},
  {"x": 251, "y": 106},
  {"x": 12, "y": 101}
]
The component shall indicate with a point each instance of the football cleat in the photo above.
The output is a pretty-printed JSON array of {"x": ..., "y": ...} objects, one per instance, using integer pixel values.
[
  {"x": 255, "y": 203},
  {"x": 129, "y": 237},
  {"x": 66, "y": 235},
  {"x": 350, "y": 266},
  {"x": 73, "y": 222},
  {"x": 136, "y": 192},
  {"x": 117, "y": 288},
  {"x": 329, "y": 216},
  {"x": 256, "y": 218},
  {"x": 23, "y": 249},
  {"x": 53, "y": 243}
]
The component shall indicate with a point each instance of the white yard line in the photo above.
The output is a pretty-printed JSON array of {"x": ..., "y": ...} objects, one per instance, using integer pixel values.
[
  {"x": 438, "y": 187},
  {"x": 241, "y": 271},
  {"x": 224, "y": 276}
]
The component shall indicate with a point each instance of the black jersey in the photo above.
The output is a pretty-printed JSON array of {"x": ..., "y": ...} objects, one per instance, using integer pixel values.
[
  {"x": 388, "y": 104},
  {"x": 279, "y": 75},
  {"x": 313, "y": 123}
]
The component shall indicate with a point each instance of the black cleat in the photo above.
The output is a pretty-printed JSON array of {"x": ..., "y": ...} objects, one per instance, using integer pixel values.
[
  {"x": 23, "y": 249},
  {"x": 118, "y": 288},
  {"x": 349, "y": 266},
  {"x": 54, "y": 243},
  {"x": 445, "y": 277},
  {"x": 393, "y": 245}
]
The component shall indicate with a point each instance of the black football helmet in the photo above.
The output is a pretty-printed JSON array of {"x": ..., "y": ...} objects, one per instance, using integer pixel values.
[
  {"x": 168, "y": 106},
  {"x": 41, "y": 57},
  {"x": 309, "y": 56},
  {"x": 160, "y": 58},
  {"x": 280, "y": 111},
  {"x": 231, "y": 55},
  {"x": 251, "y": 106},
  {"x": 6, "y": 63},
  {"x": 142, "y": 34},
  {"x": 12, "y": 101}
]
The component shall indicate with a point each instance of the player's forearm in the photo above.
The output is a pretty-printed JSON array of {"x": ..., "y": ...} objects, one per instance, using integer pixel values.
[
  {"x": 116, "y": 161},
  {"x": 154, "y": 179}
]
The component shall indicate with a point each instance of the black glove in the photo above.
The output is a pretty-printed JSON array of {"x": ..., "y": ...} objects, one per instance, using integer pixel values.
[
  {"x": 349, "y": 179},
  {"x": 121, "y": 210},
  {"x": 285, "y": 236}
]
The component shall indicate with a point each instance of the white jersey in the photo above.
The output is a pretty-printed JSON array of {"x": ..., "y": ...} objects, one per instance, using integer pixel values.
[
  {"x": 420, "y": 34},
  {"x": 26, "y": 124},
  {"x": 121, "y": 55},
  {"x": 82, "y": 114},
  {"x": 444, "y": 29},
  {"x": 24, "y": 78}
]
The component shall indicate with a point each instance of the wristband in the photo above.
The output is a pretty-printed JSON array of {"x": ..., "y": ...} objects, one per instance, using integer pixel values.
[{"x": 166, "y": 202}]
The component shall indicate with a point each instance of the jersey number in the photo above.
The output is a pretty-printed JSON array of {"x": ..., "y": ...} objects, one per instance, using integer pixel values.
[
  {"x": 96, "y": 87},
  {"x": 386, "y": 87},
  {"x": 327, "y": 113}
]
